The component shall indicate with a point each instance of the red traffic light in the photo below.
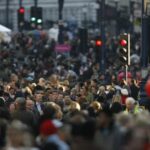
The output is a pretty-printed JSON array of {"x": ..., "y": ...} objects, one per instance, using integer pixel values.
[
  {"x": 21, "y": 10},
  {"x": 98, "y": 43},
  {"x": 123, "y": 42}
]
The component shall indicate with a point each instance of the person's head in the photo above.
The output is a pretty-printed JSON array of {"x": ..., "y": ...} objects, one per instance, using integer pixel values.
[
  {"x": 96, "y": 106},
  {"x": 74, "y": 106},
  {"x": 125, "y": 120},
  {"x": 12, "y": 107},
  {"x": 116, "y": 108},
  {"x": 116, "y": 98},
  {"x": 52, "y": 110},
  {"x": 14, "y": 77},
  {"x": 29, "y": 104},
  {"x": 47, "y": 128},
  {"x": 42, "y": 82},
  {"x": 93, "y": 89},
  {"x": 101, "y": 90},
  {"x": 60, "y": 96},
  {"x": 20, "y": 103},
  {"x": 18, "y": 135},
  {"x": 54, "y": 95},
  {"x": 38, "y": 95},
  {"x": 130, "y": 103},
  {"x": 73, "y": 91},
  {"x": 105, "y": 117}
]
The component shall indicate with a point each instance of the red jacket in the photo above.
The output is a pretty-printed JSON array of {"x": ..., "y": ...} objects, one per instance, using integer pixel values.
[{"x": 123, "y": 99}]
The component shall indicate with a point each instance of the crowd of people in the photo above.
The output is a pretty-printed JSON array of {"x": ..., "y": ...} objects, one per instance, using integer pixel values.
[{"x": 52, "y": 101}]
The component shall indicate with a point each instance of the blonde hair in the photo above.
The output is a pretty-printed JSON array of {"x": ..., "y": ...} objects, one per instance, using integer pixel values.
[
  {"x": 96, "y": 105},
  {"x": 101, "y": 90},
  {"x": 74, "y": 106},
  {"x": 116, "y": 98}
]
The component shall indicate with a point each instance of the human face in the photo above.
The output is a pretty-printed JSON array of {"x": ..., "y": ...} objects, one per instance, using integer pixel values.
[
  {"x": 12, "y": 107},
  {"x": 29, "y": 104},
  {"x": 38, "y": 96},
  {"x": 54, "y": 96},
  {"x": 130, "y": 106}
]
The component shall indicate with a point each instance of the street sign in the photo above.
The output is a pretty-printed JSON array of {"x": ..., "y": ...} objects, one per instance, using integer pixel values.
[{"x": 62, "y": 48}]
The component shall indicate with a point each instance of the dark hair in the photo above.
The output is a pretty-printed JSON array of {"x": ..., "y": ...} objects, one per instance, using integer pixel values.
[
  {"x": 116, "y": 107},
  {"x": 2, "y": 103},
  {"x": 85, "y": 129},
  {"x": 37, "y": 89},
  {"x": 106, "y": 110}
]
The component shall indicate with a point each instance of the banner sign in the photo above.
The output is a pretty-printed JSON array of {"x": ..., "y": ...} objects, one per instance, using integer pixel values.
[{"x": 62, "y": 48}]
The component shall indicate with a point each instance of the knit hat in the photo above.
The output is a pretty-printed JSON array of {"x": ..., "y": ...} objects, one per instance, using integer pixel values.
[
  {"x": 124, "y": 92},
  {"x": 47, "y": 128}
]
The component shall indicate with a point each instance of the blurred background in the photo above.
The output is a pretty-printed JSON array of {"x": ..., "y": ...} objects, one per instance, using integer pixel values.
[{"x": 119, "y": 15}]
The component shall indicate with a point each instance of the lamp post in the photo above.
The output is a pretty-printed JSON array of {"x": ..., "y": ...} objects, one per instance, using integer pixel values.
[
  {"x": 35, "y": 3},
  {"x": 100, "y": 9},
  {"x": 102, "y": 29},
  {"x": 84, "y": 10},
  {"x": 97, "y": 7},
  {"x": 7, "y": 12},
  {"x": 20, "y": 3},
  {"x": 145, "y": 42},
  {"x": 132, "y": 4},
  {"x": 60, "y": 17},
  {"x": 116, "y": 13}
]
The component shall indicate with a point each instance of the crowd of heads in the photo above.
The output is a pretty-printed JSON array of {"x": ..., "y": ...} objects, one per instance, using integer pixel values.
[{"x": 51, "y": 101}]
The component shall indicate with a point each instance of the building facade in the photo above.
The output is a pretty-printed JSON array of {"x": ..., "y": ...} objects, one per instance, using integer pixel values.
[{"x": 73, "y": 9}]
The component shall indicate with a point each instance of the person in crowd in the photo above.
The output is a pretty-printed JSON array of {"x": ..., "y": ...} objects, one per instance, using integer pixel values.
[
  {"x": 22, "y": 114},
  {"x": 134, "y": 89},
  {"x": 48, "y": 133},
  {"x": 29, "y": 105},
  {"x": 94, "y": 108},
  {"x": 107, "y": 129},
  {"x": 116, "y": 108},
  {"x": 19, "y": 136},
  {"x": 101, "y": 95},
  {"x": 124, "y": 95},
  {"x": 46, "y": 90},
  {"x": 131, "y": 106},
  {"x": 38, "y": 98}
]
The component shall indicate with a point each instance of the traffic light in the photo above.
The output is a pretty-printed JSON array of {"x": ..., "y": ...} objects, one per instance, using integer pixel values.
[
  {"x": 98, "y": 48},
  {"x": 21, "y": 21},
  {"x": 39, "y": 20},
  {"x": 36, "y": 17},
  {"x": 33, "y": 17},
  {"x": 124, "y": 49},
  {"x": 98, "y": 43}
]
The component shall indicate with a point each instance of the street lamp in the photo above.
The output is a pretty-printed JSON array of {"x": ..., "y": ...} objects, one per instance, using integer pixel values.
[
  {"x": 7, "y": 12},
  {"x": 60, "y": 17},
  {"x": 100, "y": 7},
  {"x": 116, "y": 13},
  {"x": 84, "y": 10},
  {"x": 116, "y": 4},
  {"x": 131, "y": 13},
  {"x": 145, "y": 29},
  {"x": 97, "y": 7}
]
